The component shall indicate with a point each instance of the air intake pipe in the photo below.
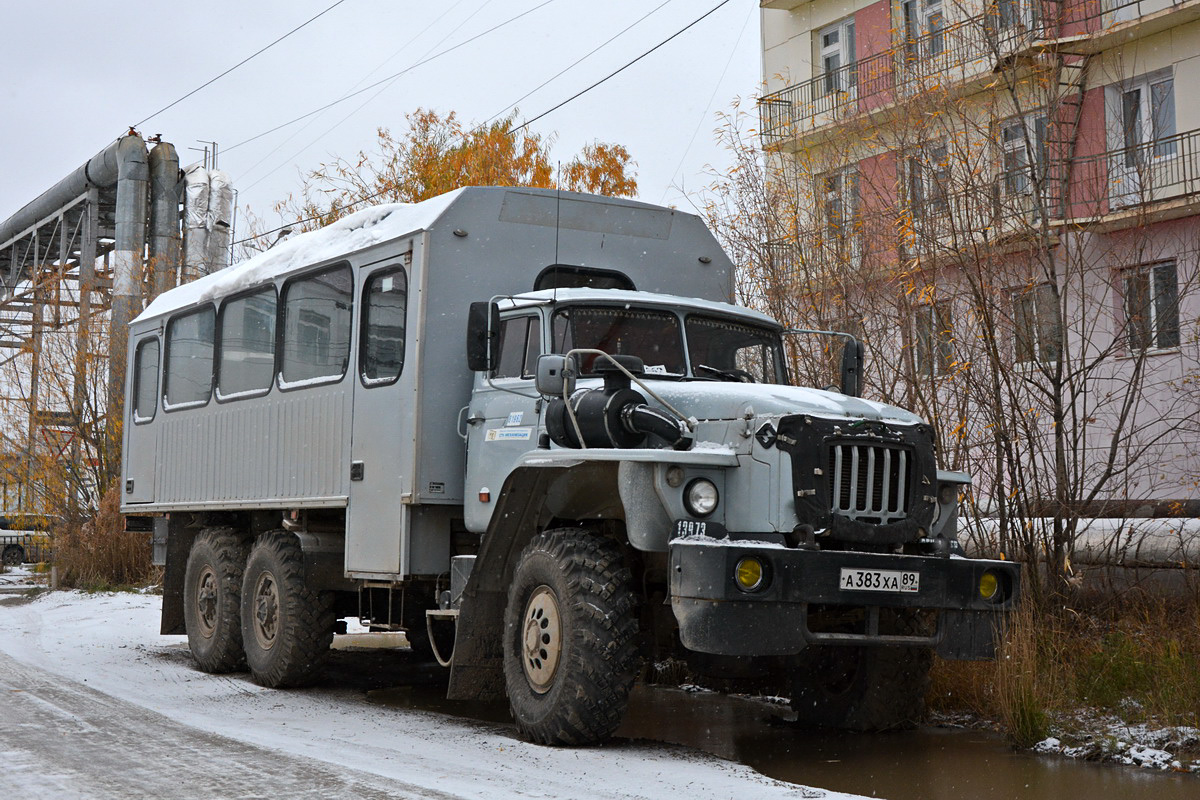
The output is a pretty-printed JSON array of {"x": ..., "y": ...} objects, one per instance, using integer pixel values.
[{"x": 615, "y": 416}]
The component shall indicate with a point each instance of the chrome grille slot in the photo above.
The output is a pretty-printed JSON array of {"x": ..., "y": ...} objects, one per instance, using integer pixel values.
[{"x": 869, "y": 482}]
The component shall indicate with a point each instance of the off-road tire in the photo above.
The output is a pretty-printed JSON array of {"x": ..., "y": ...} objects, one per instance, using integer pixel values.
[
  {"x": 578, "y": 577},
  {"x": 861, "y": 688},
  {"x": 287, "y": 627},
  {"x": 212, "y": 592},
  {"x": 14, "y": 555}
]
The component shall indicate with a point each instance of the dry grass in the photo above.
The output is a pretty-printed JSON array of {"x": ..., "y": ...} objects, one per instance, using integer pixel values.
[
  {"x": 100, "y": 555},
  {"x": 1135, "y": 656}
]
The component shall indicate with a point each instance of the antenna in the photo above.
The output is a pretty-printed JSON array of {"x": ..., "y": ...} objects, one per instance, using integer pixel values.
[{"x": 557, "y": 219}]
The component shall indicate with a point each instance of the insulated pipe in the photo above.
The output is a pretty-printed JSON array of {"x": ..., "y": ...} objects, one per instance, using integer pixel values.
[
  {"x": 133, "y": 179},
  {"x": 100, "y": 171},
  {"x": 164, "y": 217},
  {"x": 220, "y": 219},
  {"x": 195, "y": 222}
]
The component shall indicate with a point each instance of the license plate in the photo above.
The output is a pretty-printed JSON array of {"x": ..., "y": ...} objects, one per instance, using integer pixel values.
[{"x": 879, "y": 580}]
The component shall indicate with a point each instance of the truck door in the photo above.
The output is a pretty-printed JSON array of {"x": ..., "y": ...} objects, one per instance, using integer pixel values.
[
  {"x": 381, "y": 439},
  {"x": 504, "y": 416},
  {"x": 141, "y": 436}
]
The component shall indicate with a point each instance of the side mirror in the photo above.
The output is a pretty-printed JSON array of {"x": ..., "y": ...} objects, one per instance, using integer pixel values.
[
  {"x": 852, "y": 364},
  {"x": 483, "y": 336},
  {"x": 554, "y": 375}
]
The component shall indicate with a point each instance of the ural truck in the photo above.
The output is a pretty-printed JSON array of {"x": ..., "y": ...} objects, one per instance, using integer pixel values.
[{"x": 617, "y": 468}]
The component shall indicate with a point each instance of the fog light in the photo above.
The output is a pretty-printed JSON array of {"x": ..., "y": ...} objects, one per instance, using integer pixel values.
[
  {"x": 989, "y": 585},
  {"x": 749, "y": 574},
  {"x": 701, "y": 497}
]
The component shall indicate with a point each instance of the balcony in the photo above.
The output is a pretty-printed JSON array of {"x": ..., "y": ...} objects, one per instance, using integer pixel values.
[
  {"x": 957, "y": 53},
  {"x": 1146, "y": 182}
]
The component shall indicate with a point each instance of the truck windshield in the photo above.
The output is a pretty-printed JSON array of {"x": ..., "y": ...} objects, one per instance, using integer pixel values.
[
  {"x": 720, "y": 348},
  {"x": 653, "y": 336},
  {"x": 725, "y": 349}
]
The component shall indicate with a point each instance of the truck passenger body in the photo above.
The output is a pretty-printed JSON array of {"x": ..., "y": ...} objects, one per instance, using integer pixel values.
[{"x": 311, "y": 443}]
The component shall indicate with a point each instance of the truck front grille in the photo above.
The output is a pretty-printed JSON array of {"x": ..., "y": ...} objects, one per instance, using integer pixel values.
[{"x": 869, "y": 482}]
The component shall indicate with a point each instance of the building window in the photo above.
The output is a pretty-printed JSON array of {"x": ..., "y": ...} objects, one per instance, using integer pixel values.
[
  {"x": 145, "y": 380},
  {"x": 247, "y": 361},
  {"x": 385, "y": 304},
  {"x": 1038, "y": 332},
  {"x": 836, "y": 46},
  {"x": 189, "y": 372},
  {"x": 839, "y": 200},
  {"x": 1015, "y": 14},
  {"x": 316, "y": 327},
  {"x": 1151, "y": 295},
  {"x": 1023, "y": 154},
  {"x": 923, "y": 25},
  {"x": 1147, "y": 118},
  {"x": 933, "y": 339},
  {"x": 926, "y": 182},
  {"x": 520, "y": 346}
]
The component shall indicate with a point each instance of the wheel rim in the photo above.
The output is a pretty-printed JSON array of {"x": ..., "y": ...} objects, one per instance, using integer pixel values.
[
  {"x": 541, "y": 639},
  {"x": 266, "y": 611},
  {"x": 206, "y": 602}
]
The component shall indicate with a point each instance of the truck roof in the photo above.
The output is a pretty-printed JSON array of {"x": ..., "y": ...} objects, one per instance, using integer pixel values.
[
  {"x": 350, "y": 234},
  {"x": 545, "y": 296}
]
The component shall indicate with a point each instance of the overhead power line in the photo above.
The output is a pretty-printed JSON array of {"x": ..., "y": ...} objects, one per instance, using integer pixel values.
[
  {"x": 409, "y": 68},
  {"x": 510, "y": 132},
  {"x": 240, "y": 63},
  {"x": 575, "y": 63},
  {"x": 621, "y": 69}
]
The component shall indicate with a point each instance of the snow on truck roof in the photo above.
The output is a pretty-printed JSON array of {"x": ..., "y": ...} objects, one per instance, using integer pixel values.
[
  {"x": 349, "y": 234},
  {"x": 632, "y": 298},
  {"x": 357, "y": 231}
]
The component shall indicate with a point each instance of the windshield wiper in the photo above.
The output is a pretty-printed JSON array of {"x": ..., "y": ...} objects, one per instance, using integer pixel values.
[{"x": 734, "y": 375}]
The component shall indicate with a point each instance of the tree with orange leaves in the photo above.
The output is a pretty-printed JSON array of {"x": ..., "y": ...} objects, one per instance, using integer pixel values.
[{"x": 436, "y": 154}]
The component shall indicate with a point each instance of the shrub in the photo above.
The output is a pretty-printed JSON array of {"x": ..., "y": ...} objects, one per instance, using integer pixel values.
[{"x": 100, "y": 555}]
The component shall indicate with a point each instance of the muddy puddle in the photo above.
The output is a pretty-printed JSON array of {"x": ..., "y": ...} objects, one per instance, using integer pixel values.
[{"x": 928, "y": 764}]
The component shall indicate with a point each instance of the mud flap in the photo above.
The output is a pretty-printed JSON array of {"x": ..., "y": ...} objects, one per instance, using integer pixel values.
[
  {"x": 969, "y": 635},
  {"x": 477, "y": 672}
]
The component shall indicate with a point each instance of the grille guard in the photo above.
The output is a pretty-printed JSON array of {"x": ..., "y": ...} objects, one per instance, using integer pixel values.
[{"x": 808, "y": 439}]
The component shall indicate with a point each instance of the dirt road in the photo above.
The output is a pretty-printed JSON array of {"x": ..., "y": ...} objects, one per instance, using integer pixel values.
[
  {"x": 97, "y": 705},
  {"x": 62, "y": 739}
]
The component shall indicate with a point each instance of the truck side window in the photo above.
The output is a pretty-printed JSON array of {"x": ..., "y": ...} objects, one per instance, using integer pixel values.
[
  {"x": 188, "y": 376},
  {"x": 145, "y": 380},
  {"x": 246, "y": 364},
  {"x": 316, "y": 327},
  {"x": 385, "y": 301},
  {"x": 520, "y": 346}
]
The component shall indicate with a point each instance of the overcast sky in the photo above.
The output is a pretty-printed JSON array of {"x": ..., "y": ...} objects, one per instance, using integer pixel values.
[{"x": 78, "y": 73}]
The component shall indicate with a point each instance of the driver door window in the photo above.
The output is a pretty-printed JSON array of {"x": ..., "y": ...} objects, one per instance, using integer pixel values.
[{"x": 520, "y": 346}]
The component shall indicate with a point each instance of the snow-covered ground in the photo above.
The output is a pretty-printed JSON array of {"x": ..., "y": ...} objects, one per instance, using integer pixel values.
[{"x": 108, "y": 644}]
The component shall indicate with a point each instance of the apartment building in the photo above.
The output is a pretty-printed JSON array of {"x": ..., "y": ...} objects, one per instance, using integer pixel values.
[{"x": 1004, "y": 197}]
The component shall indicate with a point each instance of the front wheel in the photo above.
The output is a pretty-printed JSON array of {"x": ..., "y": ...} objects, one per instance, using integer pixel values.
[
  {"x": 287, "y": 627},
  {"x": 570, "y": 650}
]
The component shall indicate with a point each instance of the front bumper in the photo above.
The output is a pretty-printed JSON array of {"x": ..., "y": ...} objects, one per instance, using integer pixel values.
[{"x": 716, "y": 616}]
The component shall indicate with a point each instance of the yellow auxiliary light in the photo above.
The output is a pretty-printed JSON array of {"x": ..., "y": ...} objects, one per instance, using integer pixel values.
[
  {"x": 749, "y": 574},
  {"x": 989, "y": 585}
]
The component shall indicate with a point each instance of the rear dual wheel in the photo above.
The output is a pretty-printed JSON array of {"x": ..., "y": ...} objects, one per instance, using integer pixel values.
[
  {"x": 212, "y": 591},
  {"x": 286, "y": 626}
]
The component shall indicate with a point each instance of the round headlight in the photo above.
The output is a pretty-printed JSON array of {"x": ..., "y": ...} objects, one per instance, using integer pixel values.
[
  {"x": 700, "y": 497},
  {"x": 749, "y": 574},
  {"x": 989, "y": 585}
]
